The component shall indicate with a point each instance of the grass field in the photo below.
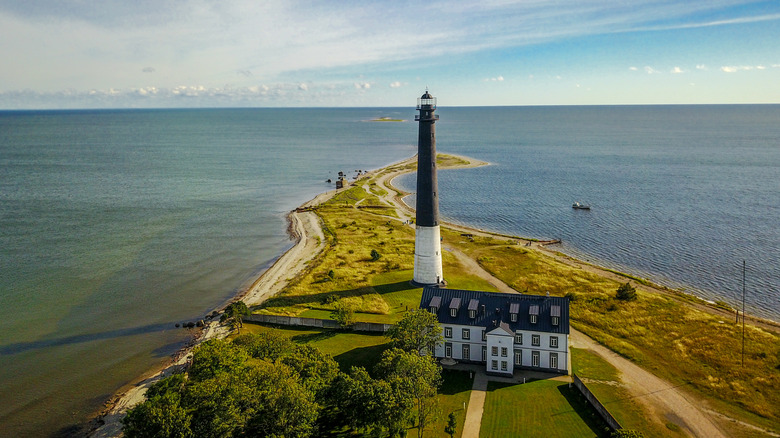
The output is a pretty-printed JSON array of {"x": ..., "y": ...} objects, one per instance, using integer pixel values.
[
  {"x": 603, "y": 381},
  {"x": 542, "y": 408},
  {"x": 661, "y": 332}
]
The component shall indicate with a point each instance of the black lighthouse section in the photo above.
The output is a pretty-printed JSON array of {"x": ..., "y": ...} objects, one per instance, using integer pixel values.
[{"x": 427, "y": 186}]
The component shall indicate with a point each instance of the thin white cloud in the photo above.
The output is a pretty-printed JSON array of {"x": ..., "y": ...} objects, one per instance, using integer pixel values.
[
  {"x": 701, "y": 67},
  {"x": 650, "y": 70},
  {"x": 303, "y": 87},
  {"x": 633, "y": 68},
  {"x": 737, "y": 68},
  {"x": 362, "y": 85},
  {"x": 395, "y": 84},
  {"x": 677, "y": 70}
]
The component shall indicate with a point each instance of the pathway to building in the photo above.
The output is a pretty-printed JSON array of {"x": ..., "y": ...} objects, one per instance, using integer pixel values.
[{"x": 476, "y": 406}]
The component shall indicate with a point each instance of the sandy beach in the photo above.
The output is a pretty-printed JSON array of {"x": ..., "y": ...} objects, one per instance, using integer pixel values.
[{"x": 306, "y": 230}]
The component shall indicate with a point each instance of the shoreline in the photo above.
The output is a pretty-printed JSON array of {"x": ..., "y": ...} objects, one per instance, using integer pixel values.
[{"x": 304, "y": 228}]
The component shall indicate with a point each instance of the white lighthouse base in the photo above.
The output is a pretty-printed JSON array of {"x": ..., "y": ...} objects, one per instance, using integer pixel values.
[{"x": 427, "y": 256}]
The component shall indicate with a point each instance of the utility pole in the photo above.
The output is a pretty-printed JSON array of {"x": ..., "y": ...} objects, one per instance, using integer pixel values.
[{"x": 743, "y": 312}]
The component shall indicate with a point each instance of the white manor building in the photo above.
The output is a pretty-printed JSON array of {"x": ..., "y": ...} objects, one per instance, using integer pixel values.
[{"x": 502, "y": 331}]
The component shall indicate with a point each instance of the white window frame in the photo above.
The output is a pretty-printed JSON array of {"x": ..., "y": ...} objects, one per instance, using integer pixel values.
[
  {"x": 503, "y": 365},
  {"x": 513, "y": 317},
  {"x": 533, "y": 319},
  {"x": 494, "y": 365},
  {"x": 494, "y": 351},
  {"x": 519, "y": 338},
  {"x": 472, "y": 314},
  {"x": 448, "y": 349},
  {"x": 466, "y": 352},
  {"x": 535, "y": 358},
  {"x": 454, "y": 312},
  {"x": 536, "y": 340},
  {"x": 465, "y": 333},
  {"x": 518, "y": 357},
  {"x": 504, "y": 351},
  {"x": 484, "y": 353},
  {"x": 556, "y": 320},
  {"x": 484, "y": 335},
  {"x": 553, "y": 342},
  {"x": 447, "y": 332},
  {"x": 554, "y": 360}
]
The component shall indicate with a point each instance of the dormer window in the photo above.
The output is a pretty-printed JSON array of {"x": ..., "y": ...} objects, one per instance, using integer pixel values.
[
  {"x": 454, "y": 305},
  {"x": 533, "y": 314},
  {"x": 555, "y": 315},
  {"x": 514, "y": 309},
  {"x": 473, "y": 306},
  {"x": 433, "y": 307}
]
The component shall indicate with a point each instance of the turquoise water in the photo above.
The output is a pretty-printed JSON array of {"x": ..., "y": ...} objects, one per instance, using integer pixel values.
[{"x": 116, "y": 225}]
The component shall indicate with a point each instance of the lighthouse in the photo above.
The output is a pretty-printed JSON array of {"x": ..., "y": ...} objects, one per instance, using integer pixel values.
[{"x": 427, "y": 241}]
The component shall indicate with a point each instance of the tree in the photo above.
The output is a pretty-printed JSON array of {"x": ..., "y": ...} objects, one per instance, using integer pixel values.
[
  {"x": 316, "y": 369},
  {"x": 214, "y": 357},
  {"x": 449, "y": 429},
  {"x": 418, "y": 331},
  {"x": 234, "y": 315},
  {"x": 343, "y": 313},
  {"x": 415, "y": 375},
  {"x": 372, "y": 404},
  {"x": 161, "y": 415},
  {"x": 626, "y": 292}
]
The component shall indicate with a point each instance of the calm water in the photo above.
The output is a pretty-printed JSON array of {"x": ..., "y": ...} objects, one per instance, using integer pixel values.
[
  {"x": 679, "y": 194},
  {"x": 115, "y": 225}
]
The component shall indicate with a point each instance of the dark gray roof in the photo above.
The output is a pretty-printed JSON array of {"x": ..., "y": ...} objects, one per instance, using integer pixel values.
[
  {"x": 514, "y": 307},
  {"x": 555, "y": 310},
  {"x": 473, "y": 304},
  {"x": 497, "y": 308},
  {"x": 455, "y": 303},
  {"x": 533, "y": 310},
  {"x": 435, "y": 302}
]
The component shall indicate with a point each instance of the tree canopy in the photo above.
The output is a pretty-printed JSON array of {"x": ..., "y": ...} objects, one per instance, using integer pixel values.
[{"x": 417, "y": 331}]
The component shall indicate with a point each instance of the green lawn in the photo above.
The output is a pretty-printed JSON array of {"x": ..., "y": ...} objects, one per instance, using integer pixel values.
[
  {"x": 542, "y": 408},
  {"x": 347, "y": 348},
  {"x": 454, "y": 392},
  {"x": 603, "y": 381}
]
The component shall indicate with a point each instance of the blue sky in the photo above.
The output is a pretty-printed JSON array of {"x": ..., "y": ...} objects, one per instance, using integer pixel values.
[{"x": 277, "y": 53}]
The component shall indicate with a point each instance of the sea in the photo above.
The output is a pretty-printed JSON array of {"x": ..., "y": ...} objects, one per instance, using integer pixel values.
[{"x": 117, "y": 225}]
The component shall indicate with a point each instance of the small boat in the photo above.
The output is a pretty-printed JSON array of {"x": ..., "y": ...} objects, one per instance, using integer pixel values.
[{"x": 578, "y": 206}]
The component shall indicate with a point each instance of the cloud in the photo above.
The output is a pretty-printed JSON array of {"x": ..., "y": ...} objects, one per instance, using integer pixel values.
[
  {"x": 736, "y": 68},
  {"x": 701, "y": 67},
  {"x": 362, "y": 85},
  {"x": 677, "y": 70},
  {"x": 148, "y": 70},
  {"x": 303, "y": 87},
  {"x": 651, "y": 70},
  {"x": 633, "y": 68},
  {"x": 395, "y": 84}
]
